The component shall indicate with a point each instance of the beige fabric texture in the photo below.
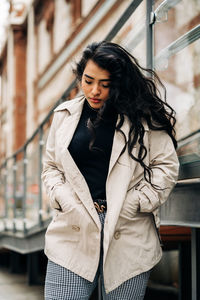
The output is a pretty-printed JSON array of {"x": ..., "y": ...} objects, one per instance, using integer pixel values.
[{"x": 131, "y": 243}]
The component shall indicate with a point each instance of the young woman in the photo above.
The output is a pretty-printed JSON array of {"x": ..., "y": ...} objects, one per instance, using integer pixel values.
[{"x": 110, "y": 163}]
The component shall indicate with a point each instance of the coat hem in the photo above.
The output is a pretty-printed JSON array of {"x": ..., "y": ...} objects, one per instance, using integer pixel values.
[
  {"x": 86, "y": 275},
  {"x": 109, "y": 288}
]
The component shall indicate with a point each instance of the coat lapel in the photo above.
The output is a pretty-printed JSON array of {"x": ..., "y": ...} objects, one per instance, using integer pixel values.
[
  {"x": 118, "y": 144},
  {"x": 71, "y": 115},
  {"x": 79, "y": 185},
  {"x": 74, "y": 176},
  {"x": 119, "y": 176}
]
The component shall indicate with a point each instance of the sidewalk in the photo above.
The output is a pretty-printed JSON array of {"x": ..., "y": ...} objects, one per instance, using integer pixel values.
[{"x": 15, "y": 287}]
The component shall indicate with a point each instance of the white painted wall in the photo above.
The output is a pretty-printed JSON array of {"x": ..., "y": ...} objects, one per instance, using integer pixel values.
[
  {"x": 31, "y": 74},
  {"x": 185, "y": 11},
  {"x": 10, "y": 95},
  {"x": 62, "y": 23},
  {"x": 87, "y": 6},
  {"x": 54, "y": 90},
  {"x": 44, "y": 46}
]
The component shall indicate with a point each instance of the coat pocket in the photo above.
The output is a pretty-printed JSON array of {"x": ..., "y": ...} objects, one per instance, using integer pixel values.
[
  {"x": 66, "y": 197},
  {"x": 130, "y": 206},
  {"x": 65, "y": 227}
]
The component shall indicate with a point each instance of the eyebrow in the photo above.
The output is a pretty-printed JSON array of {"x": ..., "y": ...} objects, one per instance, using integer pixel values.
[{"x": 93, "y": 78}]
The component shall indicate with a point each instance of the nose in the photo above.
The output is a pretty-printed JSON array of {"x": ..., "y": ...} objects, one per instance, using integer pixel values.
[{"x": 95, "y": 90}]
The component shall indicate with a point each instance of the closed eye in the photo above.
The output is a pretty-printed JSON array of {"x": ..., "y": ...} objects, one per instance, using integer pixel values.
[
  {"x": 105, "y": 85},
  {"x": 88, "y": 82}
]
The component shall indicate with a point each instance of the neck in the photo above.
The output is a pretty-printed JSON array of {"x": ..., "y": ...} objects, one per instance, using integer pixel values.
[{"x": 94, "y": 109}]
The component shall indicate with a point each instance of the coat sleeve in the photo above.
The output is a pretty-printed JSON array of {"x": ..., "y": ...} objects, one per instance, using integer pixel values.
[
  {"x": 164, "y": 165},
  {"x": 52, "y": 176}
]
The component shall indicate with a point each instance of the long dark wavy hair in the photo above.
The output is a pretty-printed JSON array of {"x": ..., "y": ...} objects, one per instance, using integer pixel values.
[{"x": 133, "y": 93}]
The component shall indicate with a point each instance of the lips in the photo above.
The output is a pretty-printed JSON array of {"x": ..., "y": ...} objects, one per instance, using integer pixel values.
[{"x": 95, "y": 100}]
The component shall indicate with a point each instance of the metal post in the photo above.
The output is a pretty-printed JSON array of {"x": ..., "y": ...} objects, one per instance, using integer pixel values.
[
  {"x": 195, "y": 240},
  {"x": 41, "y": 143},
  {"x": 33, "y": 268},
  {"x": 149, "y": 33},
  {"x": 14, "y": 192},
  {"x": 15, "y": 262},
  {"x": 184, "y": 271},
  {"x": 24, "y": 191}
]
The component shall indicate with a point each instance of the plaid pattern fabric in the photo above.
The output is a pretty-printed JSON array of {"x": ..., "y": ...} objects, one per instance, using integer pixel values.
[
  {"x": 62, "y": 284},
  {"x": 132, "y": 289}
]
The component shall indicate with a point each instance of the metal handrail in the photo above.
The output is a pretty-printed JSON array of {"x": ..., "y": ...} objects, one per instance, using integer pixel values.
[
  {"x": 162, "y": 10},
  {"x": 188, "y": 181},
  {"x": 188, "y": 138},
  {"x": 178, "y": 45}
]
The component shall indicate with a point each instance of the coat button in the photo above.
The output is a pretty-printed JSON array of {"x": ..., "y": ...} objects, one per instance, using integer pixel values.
[
  {"x": 76, "y": 228},
  {"x": 117, "y": 235}
]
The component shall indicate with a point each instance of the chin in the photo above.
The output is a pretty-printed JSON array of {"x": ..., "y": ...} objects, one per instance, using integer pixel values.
[{"x": 95, "y": 105}]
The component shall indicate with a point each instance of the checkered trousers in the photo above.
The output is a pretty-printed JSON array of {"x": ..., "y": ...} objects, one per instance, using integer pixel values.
[{"x": 62, "y": 284}]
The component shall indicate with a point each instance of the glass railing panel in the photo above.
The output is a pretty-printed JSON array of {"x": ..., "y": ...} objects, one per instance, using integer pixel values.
[
  {"x": 180, "y": 76},
  {"x": 189, "y": 148},
  {"x": 32, "y": 183},
  {"x": 10, "y": 195},
  {"x": 2, "y": 198},
  {"x": 174, "y": 18},
  {"x": 19, "y": 193},
  {"x": 2, "y": 189},
  {"x": 177, "y": 55},
  {"x": 47, "y": 212}
]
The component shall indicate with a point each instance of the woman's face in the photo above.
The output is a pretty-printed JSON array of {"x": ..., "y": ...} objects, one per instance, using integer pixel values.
[{"x": 95, "y": 84}]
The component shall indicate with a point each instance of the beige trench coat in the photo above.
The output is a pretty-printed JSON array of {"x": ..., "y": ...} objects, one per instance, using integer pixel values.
[{"x": 131, "y": 243}]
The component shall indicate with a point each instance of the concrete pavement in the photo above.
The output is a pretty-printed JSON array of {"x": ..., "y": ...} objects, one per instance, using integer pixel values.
[{"x": 15, "y": 287}]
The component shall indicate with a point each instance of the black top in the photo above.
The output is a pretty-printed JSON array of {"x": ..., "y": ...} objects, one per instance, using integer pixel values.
[{"x": 94, "y": 164}]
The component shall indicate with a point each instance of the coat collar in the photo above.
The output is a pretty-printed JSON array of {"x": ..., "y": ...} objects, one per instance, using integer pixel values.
[
  {"x": 76, "y": 104},
  {"x": 72, "y": 106}
]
